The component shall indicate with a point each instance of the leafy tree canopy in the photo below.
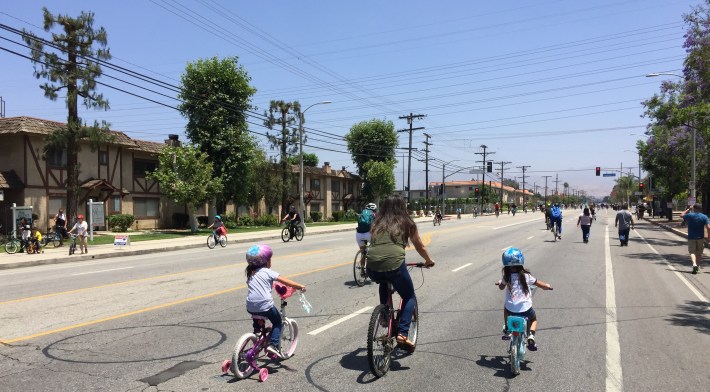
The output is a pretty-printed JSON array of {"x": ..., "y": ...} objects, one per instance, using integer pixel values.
[{"x": 309, "y": 159}]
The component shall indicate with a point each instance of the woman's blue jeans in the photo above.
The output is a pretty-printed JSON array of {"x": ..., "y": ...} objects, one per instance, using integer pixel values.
[
  {"x": 585, "y": 232},
  {"x": 275, "y": 317},
  {"x": 402, "y": 283}
]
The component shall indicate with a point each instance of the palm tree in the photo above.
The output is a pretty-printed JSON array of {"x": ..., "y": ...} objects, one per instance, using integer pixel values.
[{"x": 625, "y": 186}]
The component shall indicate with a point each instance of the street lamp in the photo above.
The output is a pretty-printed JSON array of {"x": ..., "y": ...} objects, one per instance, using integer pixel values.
[
  {"x": 301, "y": 186},
  {"x": 692, "y": 150}
]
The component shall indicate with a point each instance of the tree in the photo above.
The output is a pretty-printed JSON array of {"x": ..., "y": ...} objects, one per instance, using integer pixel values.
[
  {"x": 380, "y": 176},
  {"x": 373, "y": 140},
  {"x": 309, "y": 159},
  {"x": 71, "y": 62},
  {"x": 216, "y": 95},
  {"x": 625, "y": 187},
  {"x": 185, "y": 176},
  {"x": 264, "y": 182},
  {"x": 285, "y": 115}
]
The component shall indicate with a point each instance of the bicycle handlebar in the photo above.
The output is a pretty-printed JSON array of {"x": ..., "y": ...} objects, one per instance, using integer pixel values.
[{"x": 418, "y": 265}]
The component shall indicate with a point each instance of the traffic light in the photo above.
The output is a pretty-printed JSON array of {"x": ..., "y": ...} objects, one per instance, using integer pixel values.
[
  {"x": 489, "y": 167},
  {"x": 599, "y": 170},
  {"x": 476, "y": 190},
  {"x": 641, "y": 186}
]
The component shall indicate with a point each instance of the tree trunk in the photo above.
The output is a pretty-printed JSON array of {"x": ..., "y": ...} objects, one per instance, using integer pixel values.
[{"x": 72, "y": 146}]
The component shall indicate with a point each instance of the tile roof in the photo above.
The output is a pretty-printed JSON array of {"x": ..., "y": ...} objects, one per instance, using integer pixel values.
[
  {"x": 494, "y": 184},
  {"x": 10, "y": 180},
  {"x": 37, "y": 126}
]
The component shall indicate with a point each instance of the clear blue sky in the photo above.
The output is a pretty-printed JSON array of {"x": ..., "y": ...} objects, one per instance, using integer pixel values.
[{"x": 555, "y": 85}]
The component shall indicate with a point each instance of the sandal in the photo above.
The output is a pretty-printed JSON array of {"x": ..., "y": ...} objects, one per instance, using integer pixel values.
[{"x": 405, "y": 343}]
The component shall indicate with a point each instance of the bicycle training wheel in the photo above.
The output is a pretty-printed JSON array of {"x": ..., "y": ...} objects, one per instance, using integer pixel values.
[
  {"x": 359, "y": 272},
  {"x": 299, "y": 233},
  {"x": 240, "y": 366},
  {"x": 223, "y": 241},
  {"x": 514, "y": 359},
  {"x": 285, "y": 237},
  {"x": 211, "y": 243},
  {"x": 289, "y": 338},
  {"x": 379, "y": 341}
]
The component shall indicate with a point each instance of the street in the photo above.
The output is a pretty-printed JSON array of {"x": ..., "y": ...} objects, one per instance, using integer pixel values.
[{"x": 619, "y": 318}]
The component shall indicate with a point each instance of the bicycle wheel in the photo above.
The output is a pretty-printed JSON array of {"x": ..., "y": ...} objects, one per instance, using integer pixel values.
[
  {"x": 223, "y": 241},
  {"x": 240, "y": 366},
  {"x": 289, "y": 337},
  {"x": 359, "y": 272},
  {"x": 56, "y": 239},
  {"x": 414, "y": 326},
  {"x": 12, "y": 247},
  {"x": 211, "y": 243},
  {"x": 285, "y": 237},
  {"x": 299, "y": 233},
  {"x": 72, "y": 248},
  {"x": 379, "y": 341},
  {"x": 514, "y": 360}
]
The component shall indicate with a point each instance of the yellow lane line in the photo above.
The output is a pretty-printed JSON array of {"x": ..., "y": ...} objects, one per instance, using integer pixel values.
[
  {"x": 149, "y": 309},
  {"x": 148, "y": 278}
]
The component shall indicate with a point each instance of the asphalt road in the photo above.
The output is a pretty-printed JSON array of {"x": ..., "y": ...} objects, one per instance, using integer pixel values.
[{"x": 620, "y": 318}]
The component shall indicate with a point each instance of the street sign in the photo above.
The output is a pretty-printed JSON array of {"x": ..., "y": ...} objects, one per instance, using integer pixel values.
[
  {"x": 609, "y": 175},
  {"x": 475, "y": 171},
  {"x": 638, "y": 193},
  {"x": 691, "y": 201}
]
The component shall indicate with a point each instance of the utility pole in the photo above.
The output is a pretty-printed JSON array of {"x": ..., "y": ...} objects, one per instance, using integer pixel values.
[
  {"x": 524, "y": 167},
  {"x": 426, "y": 166},
  {"x": 410, "y": 120},
  {"x": 502, "y": 168},
  {"x": 556, "y": 181},
  {"x": 483, "y": 180},
  {"x": 546, "y": 177}
]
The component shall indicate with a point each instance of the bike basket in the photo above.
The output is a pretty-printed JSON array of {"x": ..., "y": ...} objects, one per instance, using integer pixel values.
[
  {"x": 517, "y": 324},
  {"x": 283, "y": 291}
]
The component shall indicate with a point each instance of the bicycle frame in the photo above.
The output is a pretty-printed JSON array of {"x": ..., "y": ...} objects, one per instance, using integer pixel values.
[
  {"x": 393, "y": 327},
  {"x": 518, "y": 327}
]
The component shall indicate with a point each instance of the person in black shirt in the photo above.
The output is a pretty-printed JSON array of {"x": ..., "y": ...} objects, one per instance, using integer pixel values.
[{"x": 294, "y": 220}]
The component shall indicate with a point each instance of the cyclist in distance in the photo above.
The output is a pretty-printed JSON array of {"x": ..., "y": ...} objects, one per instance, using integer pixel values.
[
  {"x": 518, "y": 295},
  {"x": 392, "y": 230},
  {"x": 437, "y": 215},
  {"x": 364, "y": 224},
  {"x": 556, "y": 217},
  {"x": 497, "y": 208},
  {"x": 294, "y": 219},
  {"x": 217, "y": 227}
]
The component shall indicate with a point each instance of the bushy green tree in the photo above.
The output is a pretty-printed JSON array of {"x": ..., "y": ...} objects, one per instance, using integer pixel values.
[
  {"x": 371, "y": 141},
  {"x": 380, "y": 176},
  {"x": 309, "y": 159}
]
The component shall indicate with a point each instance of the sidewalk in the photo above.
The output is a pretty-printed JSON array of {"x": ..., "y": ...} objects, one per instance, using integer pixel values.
[{"x": 59, "y": 255}]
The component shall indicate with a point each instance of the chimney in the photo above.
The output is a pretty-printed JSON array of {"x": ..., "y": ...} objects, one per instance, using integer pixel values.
[
  {"x": 173, "y": 140},
  {"x": 326, "y": 167}
]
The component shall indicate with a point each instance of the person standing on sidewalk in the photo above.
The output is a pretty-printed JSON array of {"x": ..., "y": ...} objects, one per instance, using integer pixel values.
[
  {"x": 81, "y": 227},
  {"x": 625, "y": 222},
  {"x": 697, "y": 223},
  {"x": 60, "y": 225}
]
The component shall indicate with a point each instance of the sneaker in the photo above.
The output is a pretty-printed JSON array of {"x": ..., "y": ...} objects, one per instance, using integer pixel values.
[
  {"x": 506, "y": 333},
  {"x": 531, "y": 343},
  {"x": 695, "y": 269},
  {"x": 273, "y": 350}
]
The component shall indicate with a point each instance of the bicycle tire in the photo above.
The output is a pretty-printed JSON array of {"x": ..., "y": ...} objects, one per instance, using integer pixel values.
[
  {"x": 240, "y": 367},
  {"x": 211, "y": 243},
  {"x": 359, "y": 269},
  {"x": 289, "y": 338},
  {"x": 514, "y": 359},
  {"x": 299, "y": 233},
  {"x": 379, "y": 341},
  {"x": 223, "y": 241},
  {"x": 414, "y": 326},
  {"x": 11, "y": 247},
  {"x": 72, "y": 248},
  {"x": 285, "y": 235},
  {"x": 56, "y": 240}
]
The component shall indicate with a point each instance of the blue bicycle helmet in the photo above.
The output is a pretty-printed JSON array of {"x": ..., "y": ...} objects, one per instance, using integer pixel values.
[
  {"x": 513, "y": 256},
  {"x": 219, "y": 218}
]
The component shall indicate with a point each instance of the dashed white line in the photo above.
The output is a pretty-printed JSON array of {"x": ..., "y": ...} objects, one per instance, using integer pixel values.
[
  {"x": 461, "y": 267},
  {"x": 506, "y": 248},
  {"x": 531, "y": 237},
  {"x": 340, "y": 320},
  {"x": 98, "y": 272}
]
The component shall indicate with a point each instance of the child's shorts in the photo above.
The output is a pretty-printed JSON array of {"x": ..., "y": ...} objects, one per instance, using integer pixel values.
[{"x": 530, "y": 314}]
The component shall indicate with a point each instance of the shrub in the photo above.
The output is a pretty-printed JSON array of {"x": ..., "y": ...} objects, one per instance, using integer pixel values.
[
  {"x": 230, "y": 224},
  {"x": 202, "y": 221},
  {"x": 350, "y": 216},
  {"x": 245, "y": 220},
  {"x": 120, "y": 222},
  {"x": 338, "y": 215},
  {"x": 180, "y": 220},
  {"x": 266, "y": 220},
  {"x": 316, "y": 216}
]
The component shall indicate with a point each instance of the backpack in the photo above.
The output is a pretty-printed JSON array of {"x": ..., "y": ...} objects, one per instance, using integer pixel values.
[
  {"x": 556, "y": 212},
  {"x": 365, "y": 221}
]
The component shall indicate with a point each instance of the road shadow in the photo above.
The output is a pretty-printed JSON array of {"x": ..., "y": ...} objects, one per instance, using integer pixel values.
[{"x": 694, "y": 314}]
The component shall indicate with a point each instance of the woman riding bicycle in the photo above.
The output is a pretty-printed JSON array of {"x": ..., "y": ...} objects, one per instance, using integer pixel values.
[{"x": 391, "y": 232}]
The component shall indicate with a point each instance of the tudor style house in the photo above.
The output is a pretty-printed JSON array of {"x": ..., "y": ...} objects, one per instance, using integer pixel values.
[{"x": 116, "y": 174}]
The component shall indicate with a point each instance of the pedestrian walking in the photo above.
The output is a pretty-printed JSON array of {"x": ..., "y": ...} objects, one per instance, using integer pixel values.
[
  {"x": 585, "y": 221},
  {"x": 625, "y": 222},
  {"x": 697, "y": 225}
]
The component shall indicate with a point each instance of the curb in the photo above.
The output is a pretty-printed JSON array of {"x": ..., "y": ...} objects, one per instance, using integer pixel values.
[{"x": 71, "y": 259}]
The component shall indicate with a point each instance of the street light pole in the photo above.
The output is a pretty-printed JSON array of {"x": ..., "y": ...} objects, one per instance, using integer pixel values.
[{"x": 301, "y": 186}]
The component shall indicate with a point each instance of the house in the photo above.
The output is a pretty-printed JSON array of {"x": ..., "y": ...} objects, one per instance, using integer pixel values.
[
  {"x": 327, "y": 190},
  {"x": 464, "y": 189},
  {"x": 115, "y": 173}
]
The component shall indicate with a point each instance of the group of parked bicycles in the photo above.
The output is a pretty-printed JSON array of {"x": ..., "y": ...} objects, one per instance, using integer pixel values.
[{"x": 12, "y": 243}]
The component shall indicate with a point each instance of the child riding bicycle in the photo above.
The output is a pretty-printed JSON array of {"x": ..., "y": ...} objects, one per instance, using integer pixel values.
[
  {"x": 218, "y": 228},
  {"x": 260, "y": 280},
  {"x": 518, "y": 296}
]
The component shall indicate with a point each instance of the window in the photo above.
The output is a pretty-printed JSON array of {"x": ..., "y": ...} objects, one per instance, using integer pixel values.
[
  {"x": 315, "y": 207},
  {"x": 336, "y": 206},
  {"x": 57, "y": 157},
  {"x": 470, "y": 188},
  {"x": 335, "y": 186},
  {"x": 141, "y": 167},
  {"x": 350, "y": 187},
  {"x": 146, "y": 207},
  {"x": 315, "y": 185},
  {"x": 103, "y": 157},
  {"x": 114, "y": 204}
]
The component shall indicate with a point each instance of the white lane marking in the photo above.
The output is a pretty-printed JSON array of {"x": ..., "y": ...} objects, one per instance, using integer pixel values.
[
  {"x": 506, "y": 248},
  {"x": 677, "y": 273},
  {"x": 340, "y": 320},
  {"x": 461, "y": 267},
  {"x": 98, "y": 272},
  {"x": 531, "y": 237},
  {"x": 515, "y": 224},
  {"x": 614, "y": 377}
]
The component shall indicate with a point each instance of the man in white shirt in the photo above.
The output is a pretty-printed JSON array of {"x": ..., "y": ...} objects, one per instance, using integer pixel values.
[{"x": 81, "y": 228}]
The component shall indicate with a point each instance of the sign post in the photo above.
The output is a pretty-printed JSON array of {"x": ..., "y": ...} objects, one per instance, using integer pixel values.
[
  {"x": 96, "y": 216},
  {"x": 19, "y": 213}
]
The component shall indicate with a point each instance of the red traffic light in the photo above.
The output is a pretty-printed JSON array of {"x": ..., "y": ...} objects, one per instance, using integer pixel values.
[
  {"x": 599, "y": 170},
  {"x": 641, "y": 186},
  {"x": 476, "y": 190}
]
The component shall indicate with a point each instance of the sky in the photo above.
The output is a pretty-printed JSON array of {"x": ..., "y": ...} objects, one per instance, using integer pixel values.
[{"x": 552, "y": 85}]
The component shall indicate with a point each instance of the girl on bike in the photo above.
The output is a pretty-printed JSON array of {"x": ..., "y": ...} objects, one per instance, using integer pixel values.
[
  {"x": 518, "y": 295},
  {"x": 391, "y": 232},
  {"x": 260, "y": 280},
  {"x": 218, "y": 228}
]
